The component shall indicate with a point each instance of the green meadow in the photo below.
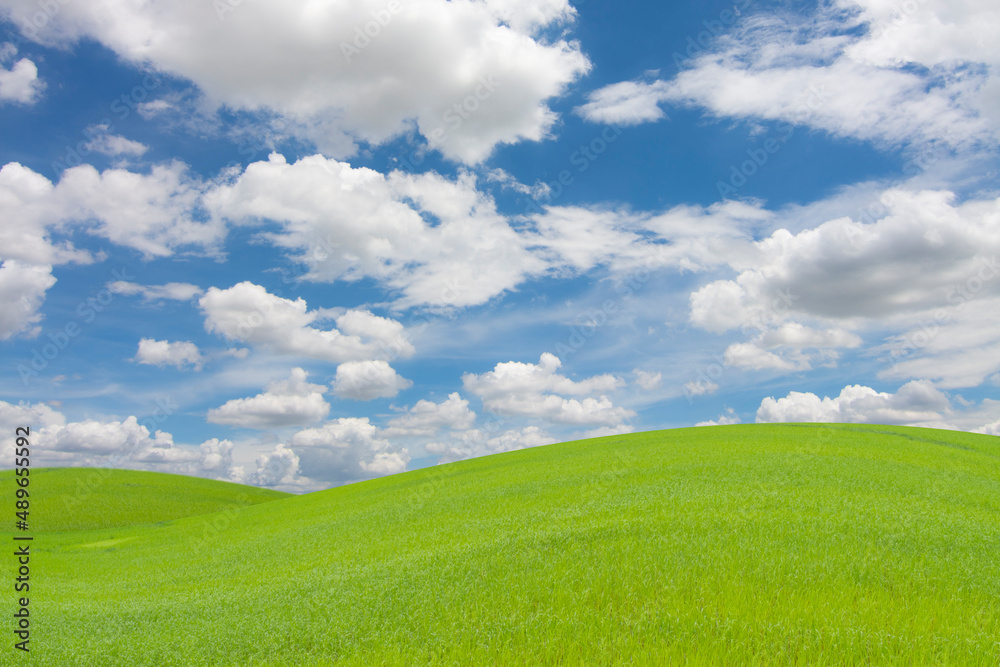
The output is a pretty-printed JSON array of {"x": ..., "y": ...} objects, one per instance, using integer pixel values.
[{"x": 787, "y": 544}]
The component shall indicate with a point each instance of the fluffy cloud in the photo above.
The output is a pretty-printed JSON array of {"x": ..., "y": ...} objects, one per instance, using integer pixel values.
[
  {"x": 389, "y": 333},
  {"x": 154, "y": 213},
  {"x": 421, "y": 66},
  {"x": 791, "y": 338},
  {"x": 729, "y": 417},
  {"x": 166, "y": 353},
  {"x": 29, "y": 198},
  {"x": 431, "y": 240},
  {"x": 127, "y": 443},
  {"x": 22, "y": 292},
  {"x": 700, "y": 388},
  {"x": 26, "y": 248},
  {"x": 927, "y": 32},
  {"x": 427, "y": 417},
  {"x": 216, "y": 458},
  {"x": 37, "y": 415},
  {"x": 213, "y": 458},
  {"x": 531, "y": 390},
  {"x": 525, "y": 378},
  {"x": 168, "y": 292},
  {"x": 990, "y": 429},
  {"x": 898, "y": 77},
  {"x": 368, "y": 380},
  {"x": 291, "y": 402},
  {"x": 807, "y": 291},
  {"x": 20, "y": 83},
  {"x": 346, "y": 450},
  {"x": 348, "y": 223},
  {"x": 441, "y": 242},
  {"x": 916, "y": 403},
  {"x": 912, "y": 258},
  {"x": 89, "y": 442},
  {"x": 625, "y": 103},
  {"x": 752, "y": 356},
  {"x": 94, "y": 438},
  {"x": 276, "y": 468},
  {"x": 249, "y": 313},
  {"x": 113, "y": 144}
]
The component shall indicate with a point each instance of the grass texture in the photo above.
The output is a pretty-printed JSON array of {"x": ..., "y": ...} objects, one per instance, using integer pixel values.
[{"x": 787, "y": 544}]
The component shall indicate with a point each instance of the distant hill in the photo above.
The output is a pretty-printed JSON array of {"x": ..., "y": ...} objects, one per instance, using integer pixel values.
[{"x": 83, "y": 498}]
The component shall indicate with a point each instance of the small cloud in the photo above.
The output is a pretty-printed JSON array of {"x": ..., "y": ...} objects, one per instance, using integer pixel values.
[
  {"x": 730, "y": 417},
  {"x": 368, "y": 380},
  {"x": 625, "y": 103},
  {"x": 700, "y": 388},
  {"x": 164, "y": 353},
  {"x": 169, "y": 292},
  {"x": 648, "y": 381},
  {"x": 112, "y": 144},
  {"x": 20, "y": 83},
  {"x": 149, "y": 109}
]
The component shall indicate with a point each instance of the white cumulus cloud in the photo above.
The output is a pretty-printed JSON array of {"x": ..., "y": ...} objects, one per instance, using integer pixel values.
[
  {"x": 154, "y": 213},
  {"x": 533, "y": 390},
  {"x": 916, "y": 403},
  {"x": 368, "y": 380},
  {"x": 928, "y": 260},
  {"x": 625, "y": 103},
  {"x": 112, "y": 144},
  {"x": 291, "y": 402},
  {"x": 19, "y": 83},
  {"x": 346, "y": 223},
  {"x": 345, "y": 450},
  {"x": 165, "y": 353},
  {"x": 351, "y": 71},
  {"x": 22, "y": 292},
  {"x": 250, "y": 314},
  {"x": 427, "y": 417}
]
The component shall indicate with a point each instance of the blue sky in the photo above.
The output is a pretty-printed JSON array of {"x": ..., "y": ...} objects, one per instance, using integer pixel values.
[{"x": 302, "y": 244}]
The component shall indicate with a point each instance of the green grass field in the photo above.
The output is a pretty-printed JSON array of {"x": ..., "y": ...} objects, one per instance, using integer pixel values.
[
  {"x": 740, "y": 545},
  {"x": 87, "y": 498}
]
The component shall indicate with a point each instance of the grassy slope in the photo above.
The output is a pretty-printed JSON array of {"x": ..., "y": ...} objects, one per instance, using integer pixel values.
[
  {"x": 786, "y": 544},
  {"x": 86, "y": 498}
]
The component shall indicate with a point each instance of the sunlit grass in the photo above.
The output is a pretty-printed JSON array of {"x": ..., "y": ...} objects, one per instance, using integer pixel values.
[
  {"x": 83, "y": 498},
  {"x": 743, "y": 545}
]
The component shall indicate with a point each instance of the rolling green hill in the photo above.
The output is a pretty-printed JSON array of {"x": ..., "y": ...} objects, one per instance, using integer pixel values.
[
  {"x": 84, "y": 498},
  {"x": 743, "y": 545}
]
